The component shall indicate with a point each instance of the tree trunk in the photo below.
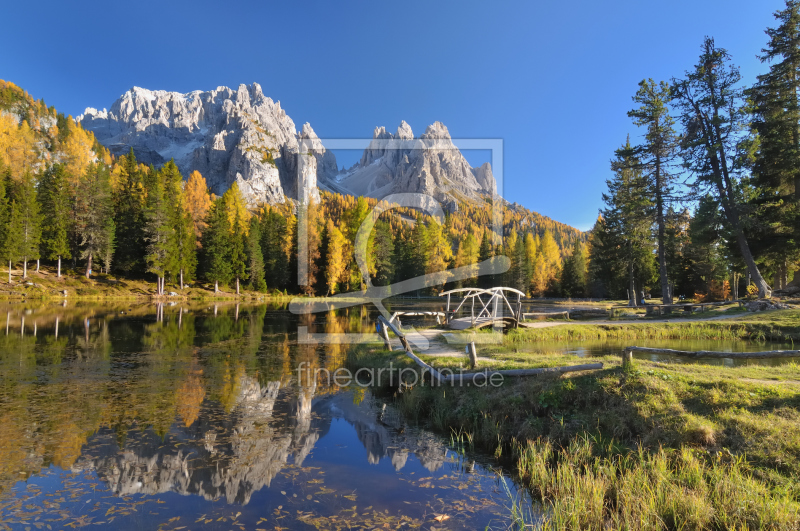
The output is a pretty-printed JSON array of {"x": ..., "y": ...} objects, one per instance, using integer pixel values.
[
  {"x": 662, "y": 259},
  {"x": 89, "y": 267},
  {"x": 59, "y": 266},
  {"x": 237, "y": 285},
  {"x": 632, "y": 292},
  {"x": 181, "y": 279},
  {"x": 9, "y": 271},
  {"x": 37, "y": 265},
  {"x": 752, "y": 267},
  {"x": 216, "y": 286},
  {"x": 25, "y": 267}
]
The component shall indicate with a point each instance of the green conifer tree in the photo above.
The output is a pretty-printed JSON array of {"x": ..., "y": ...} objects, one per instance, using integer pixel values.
[
  {"x": 94, "y": 209},
  {"x": 55, "y": 203}
]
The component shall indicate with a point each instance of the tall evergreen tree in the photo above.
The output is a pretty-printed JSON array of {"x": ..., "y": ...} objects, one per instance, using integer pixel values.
[
  {"x": 129, "y": 216},
  {"x": 94, "y": 209},
  {"x": 626, "y": 229},
  {"x": 238, "y": 224},
  {"x": 485, "y": 252},
  {"x": 573, "y": 273},
  {"x": 182, "y": 247},
  {"x": 12, "y": 243},
  {"x": 255, "y": 259},
  {"x": 159, "y": 234},
  {"x": 655, "y": 156},
  {"x": 24, "y": 193},
  {"x": 54, "y": 198},
  {"x": 216, "y": 246},
  {"x": 383, "y": 253},
  {"x": 711, "y": 107},
  {"x": 776, "y": 121}
]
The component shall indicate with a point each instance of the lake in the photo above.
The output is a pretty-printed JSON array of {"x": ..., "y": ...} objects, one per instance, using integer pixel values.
[{"x": 137, "y": 416}]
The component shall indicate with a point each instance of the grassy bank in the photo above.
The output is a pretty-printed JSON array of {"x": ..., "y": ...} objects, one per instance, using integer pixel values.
[
  {"x": 775, "y": 325},
  {"x": 47, "y": 285},
  {"x": 655, "y": 447}
]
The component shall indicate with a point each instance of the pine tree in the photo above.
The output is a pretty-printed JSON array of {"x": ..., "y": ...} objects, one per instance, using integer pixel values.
[
  {"x": 159, "y": 234},
  {"x": 238, "y": 224},
  {"x": 273, "y": 228},
  {"x": 5, "y": 178},
  {"x": 573, "y": 274},
  {"x": 24, "y": 193},
  {"x": 216, "y": 246},
  {"x": 255, "y": 259},
  {"x": 129, "y": 216},
  {"x": 655, "y": 156},
  {"x": 623, "y": 245},
  {"x": 485, "y": 252},
  {"x": 776, "y": 121},
  {"x": 711, "y": 112},
  {"x": 182, "y": 258},
  {"x": 93, "y": 211},
  {"x": 384, "y": 253},
  {"x": 12, "y": 243},
  {"x": 55, "y": 202}
]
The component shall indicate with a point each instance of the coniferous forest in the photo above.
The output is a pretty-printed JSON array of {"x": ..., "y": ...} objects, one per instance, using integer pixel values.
[
  {"x": 702, "y": 202},
  {"x": 66, "y": 202},
  {"x": 707, "y": 203}
]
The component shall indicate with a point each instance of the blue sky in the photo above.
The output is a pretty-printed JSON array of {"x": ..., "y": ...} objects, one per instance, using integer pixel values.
[{"x": 554, "y": 80}]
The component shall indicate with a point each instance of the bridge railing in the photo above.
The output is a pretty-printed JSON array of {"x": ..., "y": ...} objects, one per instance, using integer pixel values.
[{"x": 491, "y": 302}]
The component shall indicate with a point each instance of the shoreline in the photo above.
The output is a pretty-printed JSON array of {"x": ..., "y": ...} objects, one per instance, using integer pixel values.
[{"x": 656, "y": 442}]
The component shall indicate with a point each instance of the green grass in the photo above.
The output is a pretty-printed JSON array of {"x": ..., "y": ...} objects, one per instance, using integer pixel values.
[
  {"x": 781, "y": 325},
  {"x": 46, "y": 285},
  {"x": 658, "y": 446}
]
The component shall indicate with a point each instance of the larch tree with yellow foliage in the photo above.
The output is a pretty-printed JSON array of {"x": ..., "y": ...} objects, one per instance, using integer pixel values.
[
  {"x": 336, "y": 264},
  {"x": 238, "y": 226},
  {"x": 198, "y": 201}
]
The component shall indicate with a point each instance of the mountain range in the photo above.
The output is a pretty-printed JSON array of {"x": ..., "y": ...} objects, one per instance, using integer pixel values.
[{"x": 244, "y": 136}]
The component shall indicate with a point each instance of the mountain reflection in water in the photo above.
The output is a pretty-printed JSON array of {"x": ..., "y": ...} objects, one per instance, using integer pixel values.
[{"x": 198, "y": 409}]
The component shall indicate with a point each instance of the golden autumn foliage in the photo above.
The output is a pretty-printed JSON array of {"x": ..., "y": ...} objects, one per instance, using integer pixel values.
[
  {"x": 236, "y": 208},
  {"x": 335, "y": 272},
  {"x": 17, "y": 145},
  {"x": 189, "y": 397},
  {"x": 77, "y": 151},
  {"x": 198, "y": 201}
]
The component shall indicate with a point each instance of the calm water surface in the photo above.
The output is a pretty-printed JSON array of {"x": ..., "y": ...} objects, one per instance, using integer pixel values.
[{"x": 133, "y": 417}]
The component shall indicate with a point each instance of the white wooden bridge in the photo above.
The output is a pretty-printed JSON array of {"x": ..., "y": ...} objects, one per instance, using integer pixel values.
[{"x": 486, "y": 307}]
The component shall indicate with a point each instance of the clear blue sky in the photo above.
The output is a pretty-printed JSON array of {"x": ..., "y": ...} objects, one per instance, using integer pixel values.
[{"x": 553, "y": 79}]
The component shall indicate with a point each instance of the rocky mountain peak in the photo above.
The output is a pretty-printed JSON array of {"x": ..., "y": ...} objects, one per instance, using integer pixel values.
[
  {"x": 245, "y": 137},
  {"x": 436, "y": 130},
  {"x": 228, "y": 136},
  {"x": 404, "y": 131},
  {"x": 430, "y": 164}
]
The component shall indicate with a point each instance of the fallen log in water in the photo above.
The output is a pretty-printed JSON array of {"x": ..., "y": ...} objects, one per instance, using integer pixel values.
[
  {"x": 714, "y": 354},
  {"x": 382, "y": 321},
  {"x": 483, "y": 375}
]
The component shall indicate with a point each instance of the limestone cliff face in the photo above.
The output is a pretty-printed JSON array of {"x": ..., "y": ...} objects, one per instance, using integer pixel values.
[
  {"x": 245, "y": 137},
  {"x": 430, "y": 164},
  {"x": 227, "y": 135}
]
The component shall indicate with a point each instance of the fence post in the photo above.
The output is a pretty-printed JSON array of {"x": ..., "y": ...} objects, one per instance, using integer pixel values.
[
  {"x": 473, "y": 355},
  {"x": 627, "y": 359}
]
